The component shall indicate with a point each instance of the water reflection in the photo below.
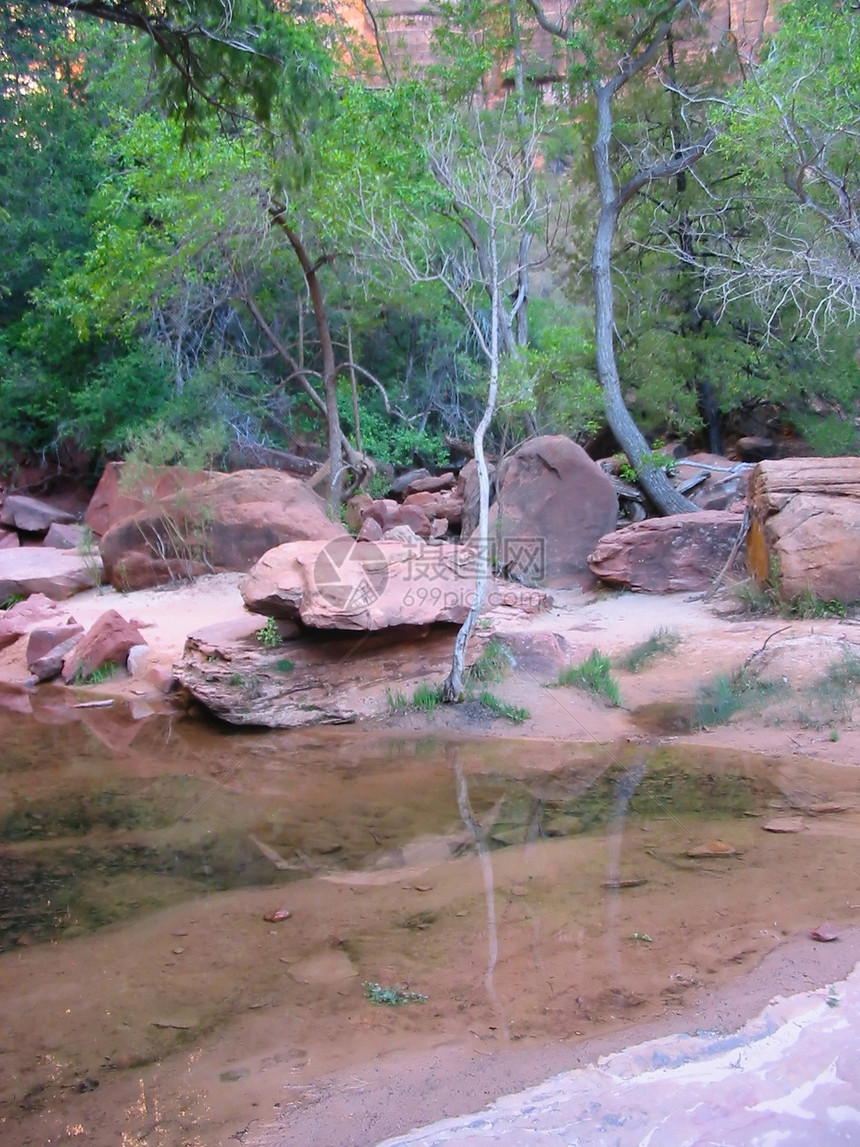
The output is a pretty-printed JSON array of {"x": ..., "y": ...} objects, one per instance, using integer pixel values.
[
  {"x": 504, "y": 880},
  {"x": 479, "y": 838}
]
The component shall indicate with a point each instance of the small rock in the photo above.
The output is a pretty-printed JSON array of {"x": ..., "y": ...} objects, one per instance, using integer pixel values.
[
  {"x": 712, "y": 849},
  {"x": 825, "y": 933},
  {"x": 277, "y": 915},
  {"x": 785, "y": 824}
]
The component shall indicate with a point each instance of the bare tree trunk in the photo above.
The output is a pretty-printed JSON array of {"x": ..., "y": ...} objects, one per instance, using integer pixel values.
[
  {"x": 454, "y": 684},
  {"x": 612, "y": 201},
  {"x": 653, "y": 480}
]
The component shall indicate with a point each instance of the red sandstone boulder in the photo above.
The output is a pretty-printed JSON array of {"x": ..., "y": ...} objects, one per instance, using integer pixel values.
[
  {"x": 107, "y": 641},
  {"x": 49, "y": 646},
  {"x": 225, "y": 522},
  {"x": 440, "y": 504},
  {"x": 553, "y": 504},
  {"x": 122, "y": 492},
  {"x": 9, "y": 540},
  {"x": 388, "y": 514},
  {"x": 431, "y": 484},
  {"x": 21, "y": 617},
  {"x": 805, "y": 527},
  {"x": 467, "y": 492},
  {"x": 355, "y": 585},
  {"x": 679, "y": 553},
  {"x": 64, "y": 536},
  {"x": 31, "y": 515},
  {"x": 355, "y": 509}
]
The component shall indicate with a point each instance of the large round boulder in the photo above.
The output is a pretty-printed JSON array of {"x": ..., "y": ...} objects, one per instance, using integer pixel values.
[
  {"x": 224, "y": 522},
  {"x": 553, "y": 504}
]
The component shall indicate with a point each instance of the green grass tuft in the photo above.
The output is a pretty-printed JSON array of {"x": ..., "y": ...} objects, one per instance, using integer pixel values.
[
  {"x": 501, "y": 708},
  {"x": 492, "y": 666},
  {"x": 719, "y": 701},
  {"x": 97, "y": 677},
  {"x": 593, "y": 675},
  {"x": 397, "y": 701},
  {"x": 664, "y": 641},
  {"x": 427, "y": 697}
]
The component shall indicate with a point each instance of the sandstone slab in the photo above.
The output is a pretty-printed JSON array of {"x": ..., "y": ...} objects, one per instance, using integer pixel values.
[
  {"x": 44, "y": 638},
  {"x": 21, "y": 617},
  {"x": 804, "y": 532},
  {"x": 64, "y": 536},
  {"x": 679, "y": 553},
  {"x": 56, "y": 573},
  {"x": 356, "y": 585},
  {"x": 317, "y": 679},
  {"x": 30, "y": 514}
]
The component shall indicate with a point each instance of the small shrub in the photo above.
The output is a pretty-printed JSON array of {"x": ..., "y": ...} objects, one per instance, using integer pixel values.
[
  {"x": 270, "y": 635},
  {"x": 88, "y": 551},
  {"x": 391, "y": 997},
  {"x": 97, "y": 676},
  {"x": 427, "y": 697},
  {"x": 492, "y": 665},
  {"x": 809, "y": 607},
  {"x": 594, "y": 676},
  {"x": 397, "y": 701},
  {"x": 11, "y": 600},
  {"x": 718, "y": 702},
  {"x": 806, "y": 606},
  {"x": 664, "y": 641},
  {"x": 284, "y": 665},
  {"x": 501, "y": 708}
]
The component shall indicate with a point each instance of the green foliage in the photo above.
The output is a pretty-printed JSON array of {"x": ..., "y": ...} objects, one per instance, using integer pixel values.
[
  {"x": 594, "y": 675},
  {"x": 395, "y": 997},
  {"x": 97, "y": 676},
  {"x": 427, "y": 697},
  {"x": 662, "y": 643},
  {"x": 284, "y": 665},
  {"x": 11, "y": 600},
  {"x": 393, "y": 441},
  {"x": 718, "y": 701},
  {"x": 270, "y": 635},
  {"x": 397, "y": 701},
  {"x": 833, "y": 697},
  {"x": 515, "y": 713},
  {"x": 493, "y": 664},
  {"x": 766, "y": 599}
]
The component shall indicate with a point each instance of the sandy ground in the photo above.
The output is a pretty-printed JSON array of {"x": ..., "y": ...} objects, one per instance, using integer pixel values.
[{"x": 352, "y": 1107}]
